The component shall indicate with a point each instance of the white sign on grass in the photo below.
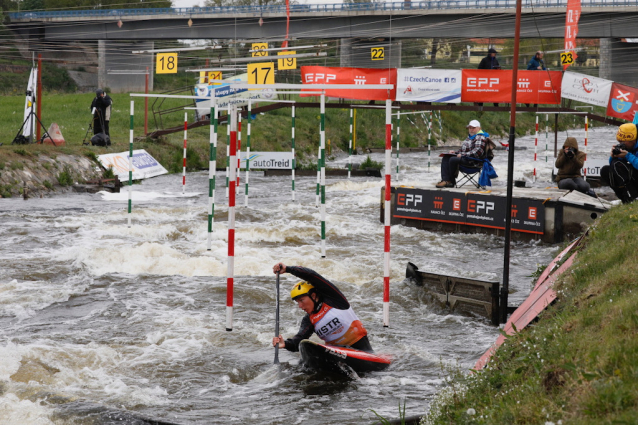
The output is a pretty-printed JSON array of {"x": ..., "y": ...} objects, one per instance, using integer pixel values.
[
  {"x": 429, "y": 85},
  {"x": 585, "y": 88},
  {"x": 144, "y": 165},
  {"x": 268, "y": 160}
]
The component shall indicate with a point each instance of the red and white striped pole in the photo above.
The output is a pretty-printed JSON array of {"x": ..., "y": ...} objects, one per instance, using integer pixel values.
[
  {"x": 535, "y": 148},
  {"x": 387, "y": 207},
  {"x": 184, "y": 166},
  {"x": 231, "y": 221},
  {"x": 585, "y": 150},
  {"x": 238, "y": 150}
]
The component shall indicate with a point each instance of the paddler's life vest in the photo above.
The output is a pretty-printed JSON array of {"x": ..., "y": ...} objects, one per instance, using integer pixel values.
[{"x": 337, "y": 327}]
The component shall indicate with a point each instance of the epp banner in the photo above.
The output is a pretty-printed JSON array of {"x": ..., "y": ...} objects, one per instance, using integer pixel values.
[
  {"x": 585, "y": 88},
  {"x": 267, "y": 160},
  {"x": 623, "y": 102},
  {"x": 334, "y": 75},
  {"x": 472, "y": 209},
  {"x": 144, "y": 165},
  {"x": 429, "y": 85},
  {"x": 486, "y": 85},
  {"x": 539, "y": 87}
]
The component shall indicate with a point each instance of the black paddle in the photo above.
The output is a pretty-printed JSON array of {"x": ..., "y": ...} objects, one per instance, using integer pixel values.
[{"x": 277, "y": 323}]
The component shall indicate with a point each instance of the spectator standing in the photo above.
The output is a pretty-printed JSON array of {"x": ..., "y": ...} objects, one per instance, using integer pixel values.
[
  {"x": 536, "y": 63},
  {"x": 101, "y": 109},
  {"x": 490, "y": 62}
]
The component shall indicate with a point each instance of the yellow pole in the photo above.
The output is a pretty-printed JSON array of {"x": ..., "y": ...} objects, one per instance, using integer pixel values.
[{"x": 354, "y": 132}]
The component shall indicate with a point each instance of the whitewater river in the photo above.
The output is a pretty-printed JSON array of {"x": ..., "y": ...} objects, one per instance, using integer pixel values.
[{"x": 104, "y": 324}]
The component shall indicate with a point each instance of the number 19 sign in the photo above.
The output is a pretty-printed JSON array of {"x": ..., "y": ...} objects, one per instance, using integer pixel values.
[{"x": 166, "y": 63}]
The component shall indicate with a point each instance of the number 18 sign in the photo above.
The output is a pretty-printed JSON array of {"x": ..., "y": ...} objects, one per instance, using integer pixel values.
[{"x": 166, "y": 63}]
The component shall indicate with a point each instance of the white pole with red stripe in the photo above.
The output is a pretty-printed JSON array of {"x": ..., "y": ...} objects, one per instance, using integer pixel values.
[
  {"x": 231, "y": 220},
  {"x": 238, "y": 149},
  {"x": 535, "y": 148},
  {"x": 585, "y": 150},
  {"x": 184, "y": 166},
  {"x": 387, "y": 207}
]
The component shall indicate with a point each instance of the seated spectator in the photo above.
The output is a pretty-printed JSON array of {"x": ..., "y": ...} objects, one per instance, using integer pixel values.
[
  {"x": 569, "y": 163},
  {"x": 622, "y": 172},
  {"x": 474, "y": 146}
]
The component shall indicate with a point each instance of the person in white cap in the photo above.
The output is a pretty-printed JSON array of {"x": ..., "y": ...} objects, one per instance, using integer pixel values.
[{"x": 475, "y": 146}]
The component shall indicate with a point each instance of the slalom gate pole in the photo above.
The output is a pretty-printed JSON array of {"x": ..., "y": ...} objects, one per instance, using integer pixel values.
[
  {"x": 212, "y": 167},
  {"x": 318, "y": 176},
  {"x": 398, "y": 124},
  {"x": 386, "y": 211},
  {"x": 430, "y": 130},
  {"x": 238, "y": 149},
  {"x": 227, "y": 148},
  {"x": 440, "y": 126},
  {"x": 322, "y": 138},
  {"x": 350, "y": 146},
  {"x": 250, "y": 108},
  {"x": 276, "y": 361},
  {"x": 38, "y": 98},
  {"x": 535, "y": 148},
  {"x": 146, "y": 103},
  {"x": 294, "y": 160},
  {"x": 585, "y": 150},
  {"x": 231, "y": 221},
  {"x": 546, "y": 134},
  {"x": 130, "y": 165},
  {"x": 184, "y": 164}
]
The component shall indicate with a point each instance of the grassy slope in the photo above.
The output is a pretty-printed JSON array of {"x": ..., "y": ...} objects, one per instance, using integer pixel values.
[{"x": 579, "y": 363}]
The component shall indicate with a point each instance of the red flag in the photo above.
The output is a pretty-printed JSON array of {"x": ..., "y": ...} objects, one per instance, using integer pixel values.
[{"x": 571, "y": 28}]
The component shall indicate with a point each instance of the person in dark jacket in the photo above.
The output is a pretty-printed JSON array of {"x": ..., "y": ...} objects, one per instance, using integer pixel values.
[
  {"x": 569, "y": 163},
  {"x": 101, "y": 110},
  {"x": 536, "y": 63},
  {"x": 328, "y": 313},
  {"x": 622, "y": 172},
  {"x": 490, "y": 61}
]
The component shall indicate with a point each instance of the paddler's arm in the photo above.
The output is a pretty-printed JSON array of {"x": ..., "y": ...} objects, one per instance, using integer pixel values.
[
  {"x": 323, "y": 286},
  {"x": 292, "y": 344}
]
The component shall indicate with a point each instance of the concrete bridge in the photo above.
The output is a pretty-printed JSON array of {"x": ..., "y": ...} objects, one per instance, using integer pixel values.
[{"x": 609, "y": 20}]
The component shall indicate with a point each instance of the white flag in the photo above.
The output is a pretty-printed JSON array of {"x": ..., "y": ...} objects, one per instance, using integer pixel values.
[{"x": 30, "y": 103}]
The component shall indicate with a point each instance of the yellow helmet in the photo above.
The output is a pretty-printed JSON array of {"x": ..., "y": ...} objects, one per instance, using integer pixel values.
[{"x": 301, "y": 288}]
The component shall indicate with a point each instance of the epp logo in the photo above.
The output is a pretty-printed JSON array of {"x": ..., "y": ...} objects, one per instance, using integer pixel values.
[
  {"x": 409, "y": 198},
  {"x": 316, "y": 78},
  {"x": 479, "y": 82},
  {"x": 476, "y": 206}
]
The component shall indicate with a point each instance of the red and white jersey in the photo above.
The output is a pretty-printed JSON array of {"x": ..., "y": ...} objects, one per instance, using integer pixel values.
[{"x": 337, "y": 327}]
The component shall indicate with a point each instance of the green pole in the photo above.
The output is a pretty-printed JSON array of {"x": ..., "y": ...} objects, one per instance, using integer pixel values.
[
  {"x": 323, "y": 174},
  {"x": 294, "y": 161},
  {"x": 212, "y": 166},
  {"x": 350, "y": 144},
  {"x": 398, "y": 125},
  {"x": 130, "y": 165}
]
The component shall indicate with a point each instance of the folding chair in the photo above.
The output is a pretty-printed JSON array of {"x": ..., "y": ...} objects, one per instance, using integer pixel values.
[
  {"x": 469, "y": 175},
  {"x": 485, "y": 172}
]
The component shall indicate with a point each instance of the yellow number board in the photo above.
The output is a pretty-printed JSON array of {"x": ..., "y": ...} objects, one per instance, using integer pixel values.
[
  {"x": 567, "y": 58},
  {"x": 214, "y": 75},
  {"x": 166, "y": 63},
  {"x": 377, "y": 53},
  {"x": 260, "y": 47},
  {"x": 261, "y": 73},
  {"x": 287, "y": 63}
]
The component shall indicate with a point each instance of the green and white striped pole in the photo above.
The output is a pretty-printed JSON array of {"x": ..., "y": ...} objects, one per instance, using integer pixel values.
[
  {"x": 546, "y": 134},
  {"x": 212, "y": 166},
  {"x": 294, "y": 161},
  {"x": 318, "y": 175},
  {"x": 430, "y": 129},
  {"x": 250, "y": 120},
  {"x": 350, "y": 144},
  {"x": 322, "y": 139},
  {"x": 130, "y": 166},
  {"x": 440, "y": 126},
  {"x": 398, "y": 125}
]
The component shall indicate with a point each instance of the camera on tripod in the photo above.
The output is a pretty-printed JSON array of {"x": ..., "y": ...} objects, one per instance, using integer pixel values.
[
  {"x": 570, "y": 153},
  {"x": 617, "y": 148}
]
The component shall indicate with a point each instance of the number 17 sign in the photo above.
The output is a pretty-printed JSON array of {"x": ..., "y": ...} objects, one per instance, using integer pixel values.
[{"x": 261, "y": 73}]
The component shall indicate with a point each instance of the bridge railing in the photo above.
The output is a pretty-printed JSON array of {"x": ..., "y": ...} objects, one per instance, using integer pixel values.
[{"x": 311, "y": 8}]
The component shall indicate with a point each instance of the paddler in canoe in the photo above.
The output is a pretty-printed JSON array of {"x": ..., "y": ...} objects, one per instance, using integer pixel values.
[{"x": 328, "y": 313}]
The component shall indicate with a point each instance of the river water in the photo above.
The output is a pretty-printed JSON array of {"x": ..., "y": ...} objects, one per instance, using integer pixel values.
[{"x": 101, "y": 323}]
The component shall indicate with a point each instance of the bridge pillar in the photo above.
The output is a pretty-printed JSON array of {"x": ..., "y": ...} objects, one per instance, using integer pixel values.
[
  {"x": 619, "y": 61},
  {"x": 358, "y": 53},
  {"x": 118, "y": 68}
]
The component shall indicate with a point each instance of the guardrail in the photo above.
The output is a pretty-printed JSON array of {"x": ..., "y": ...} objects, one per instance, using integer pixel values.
[{"x": 311, "y": 8}]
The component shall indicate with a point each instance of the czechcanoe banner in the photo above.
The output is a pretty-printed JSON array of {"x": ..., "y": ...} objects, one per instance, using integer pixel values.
[{"x": 429, "y": 85}]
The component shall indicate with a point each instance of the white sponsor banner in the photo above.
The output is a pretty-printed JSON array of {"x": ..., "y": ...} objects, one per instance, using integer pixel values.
[
  {"x": 585, "y": 88},
  {"x": 593, "y": 166},
  {"x": 29, "y": 103},
  {"x": 225, "y": 94},
  {"x": 429, "y": 85},
  {"x": 268, "y": 160},
  {"x": 144, "y": 165}
]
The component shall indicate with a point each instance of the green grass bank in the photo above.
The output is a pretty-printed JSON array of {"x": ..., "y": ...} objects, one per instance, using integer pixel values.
[{"x": 579, "y": 363}]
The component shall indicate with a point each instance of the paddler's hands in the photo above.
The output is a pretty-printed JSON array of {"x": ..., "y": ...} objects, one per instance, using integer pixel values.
[
  {"x": 279, "y": 268},
  {"x": 278, "y": 341}
]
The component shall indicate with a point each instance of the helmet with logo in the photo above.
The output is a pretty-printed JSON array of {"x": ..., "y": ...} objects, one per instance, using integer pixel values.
[
  {"x": 301, "y": 288},
  {"x": 626, "y": 133}
]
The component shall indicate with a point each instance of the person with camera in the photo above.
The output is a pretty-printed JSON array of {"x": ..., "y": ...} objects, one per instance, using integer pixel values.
[
  {"x": 101, "y": 110},
  {"x": 622, "y": 172},
  {"x": 569, "y": 163}
]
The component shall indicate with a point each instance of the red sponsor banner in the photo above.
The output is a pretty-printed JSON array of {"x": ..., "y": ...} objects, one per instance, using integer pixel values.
[
  {"x": 362, "y": 76},
  {"x": 486, "y": 85},
  {"x": 538, "y": 87},
  {"x": 623, "y": 102},
  {"x": 571, "y": 27}
]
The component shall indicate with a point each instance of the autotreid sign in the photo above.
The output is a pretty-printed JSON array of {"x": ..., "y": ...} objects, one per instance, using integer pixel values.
[
  {"x": 429, "y": 85},
  {"x": 267, "y": 160},
  {"x": 472, "y": 209}
]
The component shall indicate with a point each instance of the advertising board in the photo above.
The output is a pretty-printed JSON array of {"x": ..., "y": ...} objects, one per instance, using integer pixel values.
[
  {"x": 429, "y": 85},
  {"x": 144, "y": 165}
]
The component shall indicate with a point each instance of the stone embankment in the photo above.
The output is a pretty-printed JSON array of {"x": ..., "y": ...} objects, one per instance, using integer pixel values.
[{"x": 41, "y": 175}]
